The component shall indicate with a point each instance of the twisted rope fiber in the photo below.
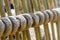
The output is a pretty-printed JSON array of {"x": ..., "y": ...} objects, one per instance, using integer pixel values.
[{"x": 7, "y": 28}]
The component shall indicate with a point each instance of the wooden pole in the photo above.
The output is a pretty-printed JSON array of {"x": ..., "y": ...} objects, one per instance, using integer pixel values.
[
  {"x": 2, "y": 13},
  {"x": 8, "y": 9},
  {"x": 37, "y": 7},
  {"x": 57, "y": 23},
  {"x": 16, "y": 6},
  {"x": 51, "y": 5},
  {"x": 26, "y": 9}
]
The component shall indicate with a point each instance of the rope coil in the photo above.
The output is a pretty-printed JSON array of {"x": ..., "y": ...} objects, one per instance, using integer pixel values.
[
  {"x": 10, "y": 25},
  {"x": 15, "y": 24},
  {"x": 36, "y": 20},
  {"x": 41, "y": 17},
  {"x": 29, "y": 20},
  {"x": 22, "y": 22}
]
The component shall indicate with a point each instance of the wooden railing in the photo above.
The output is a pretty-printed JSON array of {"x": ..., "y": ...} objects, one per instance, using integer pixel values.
[{"x": 29, "y": 14}]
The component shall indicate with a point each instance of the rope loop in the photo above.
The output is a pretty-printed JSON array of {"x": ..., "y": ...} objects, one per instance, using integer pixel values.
[
  {"x": 50, "y": 14},
  {"x": 54, "y": 15},
  {"x": 8, "y": 26},
  {"x": 46, "y": 17},
  {"x": 29, "y": 20},
  {"x": 22, "y": 21},
  {"x": 41, "y": 17},
  {"x": 35, "y": 20},
  {"x": 15, "y": 24},
  {"x": 57, "y": 10}
]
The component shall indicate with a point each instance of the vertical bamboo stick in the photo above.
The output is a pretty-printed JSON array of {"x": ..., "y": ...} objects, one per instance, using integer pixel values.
[
  {"x": 2, "y": 13},
  {"x": 53, "y": 34},
  {"x": 3, "y": 37},
  {"x": 30, "y": 6},
  {"x": 36, "y": 8},
  {"x": 20, "y": 6},
  {"x": 41, "y": 4},
  {"x": 36, "y": 26},
  {"x": 52, "y": 26},
  {"x": 35, "y": 5},
  {"x": 58, "y": 23},
  {"x": 8, "y": 9},
  {"x": 51, "y": 5},
  {"x": 16, "y": 6},
  {"x": 37, "y": 29},
  {"x": 55, "y": 3},
  {"x": 17, "y": 36},
  {"x": 22, "y": 11},
  {"x": 24, "y": 35},
  {"x": 52, "y": 14},
  {"x": 46, "y": 29},
  {"x": 58, "y": 27},
  {"x": 25, "y": 31},
  {"x": 9, "y": 13},
  {"x": 19, "y": 11},
  {"x": 38, "y": 33},
  {"x": 7, "y": 6},
  {"x": 27, "y": 9},
  {"x": 10, "y": 37},
  {"x": 28, "y": 35}
]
